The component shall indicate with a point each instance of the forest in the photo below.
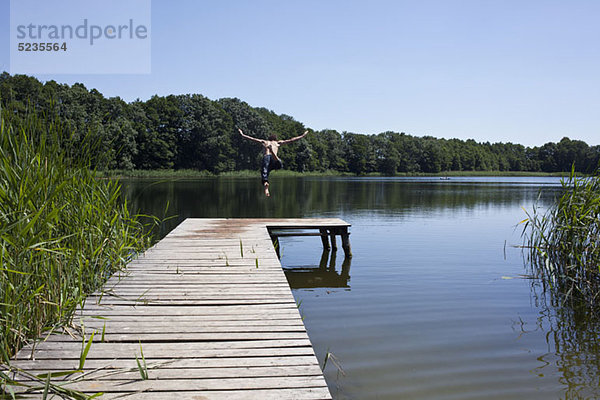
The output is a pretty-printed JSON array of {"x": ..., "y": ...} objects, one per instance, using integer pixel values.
[{"x": 190, "y": 131}]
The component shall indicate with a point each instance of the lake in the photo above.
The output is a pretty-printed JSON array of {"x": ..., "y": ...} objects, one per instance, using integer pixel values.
[{"x": 436, "y": 303}]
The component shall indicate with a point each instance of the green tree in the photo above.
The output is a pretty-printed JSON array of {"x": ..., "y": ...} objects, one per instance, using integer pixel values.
[
  {"x": 569, "y": 152},
  {"x": 158, "y": 125},
  {"x": 204, "y": 141},
  {"x": 360, "y": 153}
]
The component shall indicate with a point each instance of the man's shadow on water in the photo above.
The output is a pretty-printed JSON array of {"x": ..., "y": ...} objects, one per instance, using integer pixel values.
[{"x": 325, "y": 276}]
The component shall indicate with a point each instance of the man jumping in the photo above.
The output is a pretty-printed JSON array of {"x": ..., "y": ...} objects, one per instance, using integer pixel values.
[{"x": 270, "y": 160}]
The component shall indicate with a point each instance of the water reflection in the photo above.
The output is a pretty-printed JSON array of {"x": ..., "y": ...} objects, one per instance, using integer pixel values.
[
  {"x": 323, "y": 276},
  {"x": 572, "y": 338}
]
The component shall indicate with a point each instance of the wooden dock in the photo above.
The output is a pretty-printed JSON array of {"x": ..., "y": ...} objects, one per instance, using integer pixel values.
[{"x": 211, "y": 310}]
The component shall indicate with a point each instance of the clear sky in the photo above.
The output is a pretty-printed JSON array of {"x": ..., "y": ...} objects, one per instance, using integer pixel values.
[{"x": 522, "y": 71}]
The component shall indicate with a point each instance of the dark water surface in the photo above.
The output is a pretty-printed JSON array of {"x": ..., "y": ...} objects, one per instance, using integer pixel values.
[{"x": 435, "y": 303}]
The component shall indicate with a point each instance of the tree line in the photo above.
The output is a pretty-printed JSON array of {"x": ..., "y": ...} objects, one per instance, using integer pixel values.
[{"x": 190, "y": 131}]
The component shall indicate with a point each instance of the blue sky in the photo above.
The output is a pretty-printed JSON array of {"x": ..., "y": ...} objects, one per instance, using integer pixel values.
[{"x": 512, "y": 71}]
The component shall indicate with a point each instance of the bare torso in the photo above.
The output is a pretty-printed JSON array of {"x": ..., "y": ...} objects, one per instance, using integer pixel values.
[{"x": 270, "y": 147}]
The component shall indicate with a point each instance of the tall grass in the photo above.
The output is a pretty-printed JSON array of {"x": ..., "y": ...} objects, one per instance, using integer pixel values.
[
  {"x": 63, "y": 232},
  {"x": 564, "y": 243}
]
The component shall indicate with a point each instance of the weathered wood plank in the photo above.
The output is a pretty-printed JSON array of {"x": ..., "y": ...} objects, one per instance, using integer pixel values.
[
  {"x": 175, "y": 319},
  {"x": 175, "y": 385},
  {"x": 120, "y": 327},
  {"x": 191, "y": 296},
  {"x": 183, "y": 302},
  {"x": 144, "y": 310},
  {"x": 157, "y": 372},
  {"x": 111, "y": 336},
  {"x": 205, "y": 309},
  {"x": 181, "y": 363},
  {"x": 320, "y": 393},
  {"x": 165, "y": 347},
  {"x": 200, "y": 270},
  {"x": 199, "y": 280},
  {"x": 204, "y": 294},
  {"x": 198, "y": 289},
  {"x": 212, "y": 285},
  {"x": 58, "y": 356}
]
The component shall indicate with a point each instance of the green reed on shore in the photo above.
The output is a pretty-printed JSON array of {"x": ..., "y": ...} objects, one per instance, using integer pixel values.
[
  {"x": 564, "y": 243},
  {"x": 63, "y": 232}
]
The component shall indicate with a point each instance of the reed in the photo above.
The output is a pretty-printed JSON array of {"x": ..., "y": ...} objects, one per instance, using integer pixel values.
[
  {"x": 564, "y": 243},
  {"x": 63, "y": 232}
]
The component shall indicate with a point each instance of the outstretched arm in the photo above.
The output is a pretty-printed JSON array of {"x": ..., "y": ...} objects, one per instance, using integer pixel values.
[
  {"x": 293, "y": 139},
  {"x": 250, "y": 137}
]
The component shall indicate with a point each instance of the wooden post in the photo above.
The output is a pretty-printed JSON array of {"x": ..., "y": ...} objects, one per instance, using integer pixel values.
[
  {"x": 324, "y": 258},
  {"x": 346, "y": 268},
  {"x": 332, "y": 261},
  {"x": 324, "y": 239},
  {"x": 332, "y": 236},
  {"x": 346, "y": 243}
]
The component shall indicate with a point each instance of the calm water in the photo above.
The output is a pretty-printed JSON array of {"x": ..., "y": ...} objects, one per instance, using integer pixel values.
[{"x": 435, "y": 303}]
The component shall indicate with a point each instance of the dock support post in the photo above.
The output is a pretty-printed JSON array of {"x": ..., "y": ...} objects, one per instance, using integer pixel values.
[
  {"x": 324, "y": 239},
  {"x": 332, "y": 261},
  {"x": 324, "y": 258},
  {"x": 346, "y": 243},
  {"x": 332, "y": 236},
  {"x": 346, "y": 268}
]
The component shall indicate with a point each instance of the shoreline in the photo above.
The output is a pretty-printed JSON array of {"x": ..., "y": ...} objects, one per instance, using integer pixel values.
[{"x": 152, "y": 174}]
